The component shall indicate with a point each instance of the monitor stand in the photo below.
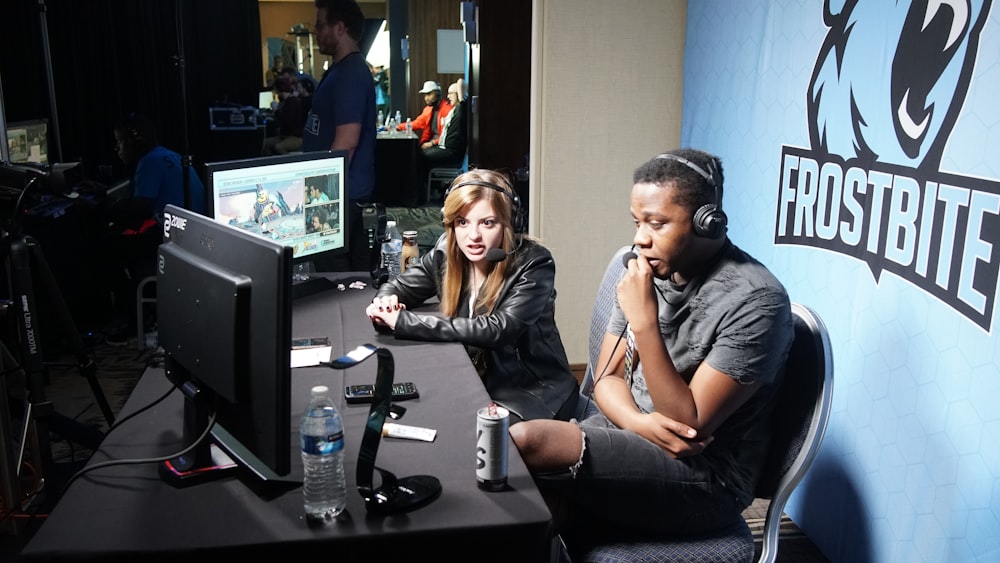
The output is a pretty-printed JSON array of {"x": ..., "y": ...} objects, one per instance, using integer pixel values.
[{"x": 304, "y": 285}]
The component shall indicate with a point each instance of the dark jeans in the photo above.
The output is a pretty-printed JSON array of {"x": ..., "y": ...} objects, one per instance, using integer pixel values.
[{"x": 629, "y": 488}]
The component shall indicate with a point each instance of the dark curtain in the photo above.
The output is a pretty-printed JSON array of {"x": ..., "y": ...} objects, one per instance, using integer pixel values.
[{"x": 112, "y": 57}]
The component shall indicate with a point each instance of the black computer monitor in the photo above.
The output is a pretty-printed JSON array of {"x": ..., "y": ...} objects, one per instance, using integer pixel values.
[
  {"x": 299, "y": 200},
  {"x": 224, "y": 310},
  {"x": 28, "y": 141}
]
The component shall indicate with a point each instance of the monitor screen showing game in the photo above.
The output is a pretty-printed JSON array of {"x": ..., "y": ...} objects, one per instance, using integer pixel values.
[
  {"x": 28, "y": 141},
  {"x": 298, "y": 200}
]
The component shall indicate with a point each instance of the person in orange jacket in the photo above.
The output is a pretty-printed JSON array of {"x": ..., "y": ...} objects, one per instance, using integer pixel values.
[{"x": 430, "y": 122}]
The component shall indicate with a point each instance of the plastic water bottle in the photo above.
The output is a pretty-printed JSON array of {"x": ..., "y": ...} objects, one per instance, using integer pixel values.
[
  {"x": 409, "y": 127},
  {"x": 392, "y": 250},
  {"x": 399, "y": 116},
  {"x": 380, "y": 122},
  {"x": 324, "y": 486},
  {"x": 391, "y": 127}
]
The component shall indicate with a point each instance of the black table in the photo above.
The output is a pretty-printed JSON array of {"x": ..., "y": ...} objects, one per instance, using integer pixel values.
[
  {"x": 397, "y": 170},
  {"x": 128, "y": 513}
]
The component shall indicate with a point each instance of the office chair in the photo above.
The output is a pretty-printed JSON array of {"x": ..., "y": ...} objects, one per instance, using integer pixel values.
[{"x": 798, "y": 424}]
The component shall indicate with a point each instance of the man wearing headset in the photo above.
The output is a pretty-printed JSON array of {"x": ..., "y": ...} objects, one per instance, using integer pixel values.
[
  {"x": 496, "y": 287},
  {"x": 696, "y": 343},
  {"x": 136, "y": 222}
]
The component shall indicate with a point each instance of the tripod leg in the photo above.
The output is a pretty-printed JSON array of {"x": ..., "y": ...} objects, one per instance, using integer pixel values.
[
  {"x": 23, "y": 301},
  {"x": 86, "y": 364}
]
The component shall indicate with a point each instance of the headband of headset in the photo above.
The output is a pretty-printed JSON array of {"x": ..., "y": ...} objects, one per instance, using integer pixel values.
[
  {"x": 517, "y": 218},
  {"x": 709, "y": 219}
]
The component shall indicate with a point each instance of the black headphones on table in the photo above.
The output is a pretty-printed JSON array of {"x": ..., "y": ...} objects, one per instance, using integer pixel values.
[
  {"x": 517, "y": 220},
  {"x": 709, "y": 219}
]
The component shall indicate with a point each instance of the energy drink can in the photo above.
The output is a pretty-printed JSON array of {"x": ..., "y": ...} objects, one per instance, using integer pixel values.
[{"x": 491, "y": 447}]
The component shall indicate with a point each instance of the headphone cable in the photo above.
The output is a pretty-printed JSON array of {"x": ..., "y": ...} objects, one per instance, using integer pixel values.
[{"x": 604, "y": 371}]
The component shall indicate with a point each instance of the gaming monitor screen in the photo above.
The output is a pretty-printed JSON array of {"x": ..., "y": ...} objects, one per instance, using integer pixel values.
[
  {"x": 298, "y": 200},
  {"x": 224, "y": 311},
  {"x": 28, "y": 141}
]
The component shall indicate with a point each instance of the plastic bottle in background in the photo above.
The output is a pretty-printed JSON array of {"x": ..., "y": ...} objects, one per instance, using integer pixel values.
[
  {"x": 391, "y": 127},
  {"x": 409, "y": 127},
  {"x": 411, "y": 252},
  {"x": 321, "y": 435},
  {"x": 399, "y": 116},
  {"x": 380, "y": 121},
  {"x": 392, "y": 250}
]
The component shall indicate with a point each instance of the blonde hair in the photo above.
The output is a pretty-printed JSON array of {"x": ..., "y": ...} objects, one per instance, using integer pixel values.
[{"x": 465, "y": 190}]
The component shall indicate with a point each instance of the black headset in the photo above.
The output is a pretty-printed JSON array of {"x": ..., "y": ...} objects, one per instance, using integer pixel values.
[
  {"x": 709, "y": 219},
  {"x": 373, "y": 217},
  {"x": 517, "y": 220}
]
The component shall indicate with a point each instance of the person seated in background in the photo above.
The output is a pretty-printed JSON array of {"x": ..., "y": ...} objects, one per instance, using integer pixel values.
[
  {"x": 427, "y": 126},
  {"x": 156, "y": 175},
  {"x": 448, "y": 151},
  {"x": 496, "y": 287},
  {"x": 295, "y": 99},
  {"x": 694, "y": 351},
  {"x": 136, "y": 222},
  {"x": 271, "y": 76}
]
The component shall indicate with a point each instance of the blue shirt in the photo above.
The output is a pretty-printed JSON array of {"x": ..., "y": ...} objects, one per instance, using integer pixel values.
[
  {"x": 158, "y": 177},
  {"x": 346, "y": 95}
]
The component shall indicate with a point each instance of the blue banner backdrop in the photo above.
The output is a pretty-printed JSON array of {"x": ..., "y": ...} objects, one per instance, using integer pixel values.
[{"x": 860, "y": 142}]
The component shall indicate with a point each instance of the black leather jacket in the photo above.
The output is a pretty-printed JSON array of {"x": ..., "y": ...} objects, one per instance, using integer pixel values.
[{"x": 523, "y": 362}]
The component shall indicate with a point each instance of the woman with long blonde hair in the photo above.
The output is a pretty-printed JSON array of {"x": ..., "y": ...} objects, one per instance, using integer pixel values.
[{"x": 496, "y": 287}]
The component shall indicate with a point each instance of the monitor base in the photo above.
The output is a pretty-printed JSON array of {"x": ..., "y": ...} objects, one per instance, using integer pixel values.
[{"x": 182, "y": 471}]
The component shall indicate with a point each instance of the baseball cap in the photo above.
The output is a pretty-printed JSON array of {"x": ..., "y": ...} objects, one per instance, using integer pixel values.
[{"x": 430, "y": 86}]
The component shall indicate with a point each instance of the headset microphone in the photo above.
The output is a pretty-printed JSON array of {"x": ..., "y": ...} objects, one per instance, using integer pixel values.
[
  {"x": 628, "y": 256},
  {"x": 497, "y": 255}
]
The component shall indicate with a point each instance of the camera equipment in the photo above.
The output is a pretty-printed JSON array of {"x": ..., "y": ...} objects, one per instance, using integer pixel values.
[{"x": 22, "y": 345}]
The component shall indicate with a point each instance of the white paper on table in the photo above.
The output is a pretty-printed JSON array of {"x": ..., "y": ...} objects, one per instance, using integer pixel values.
[{"x": 305, "y": 357}]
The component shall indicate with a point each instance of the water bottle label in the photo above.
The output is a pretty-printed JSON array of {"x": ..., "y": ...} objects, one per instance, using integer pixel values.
[{"x": 317, "y": 445}]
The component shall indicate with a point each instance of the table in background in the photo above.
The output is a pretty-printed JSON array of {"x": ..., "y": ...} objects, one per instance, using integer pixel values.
[
  {"x": 127, "y": 513},
  {"x": 397, "y": 170}
]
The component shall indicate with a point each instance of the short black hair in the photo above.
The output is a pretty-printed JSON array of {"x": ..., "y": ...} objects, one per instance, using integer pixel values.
[
  {"x": 139, "y": 130},
  {"x": 692, "y": 189},
  {"x": 346, "y": 11}
]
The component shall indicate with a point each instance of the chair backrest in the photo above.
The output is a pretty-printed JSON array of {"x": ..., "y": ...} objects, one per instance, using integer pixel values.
[
  {"x": 798, "y": 424},
  {"x": 603, "y": 304}
]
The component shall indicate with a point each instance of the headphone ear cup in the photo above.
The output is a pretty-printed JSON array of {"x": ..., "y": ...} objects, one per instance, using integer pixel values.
[
  {"x": 518, "y": 221},
  {"x": 709, "y": 221}
]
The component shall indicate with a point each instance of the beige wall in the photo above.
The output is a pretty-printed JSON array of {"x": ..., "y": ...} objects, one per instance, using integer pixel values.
[{"x": 606, "y": 96}]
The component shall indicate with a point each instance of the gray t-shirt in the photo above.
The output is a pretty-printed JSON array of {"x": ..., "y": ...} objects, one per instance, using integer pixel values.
[{"x": 737, "y": 317}]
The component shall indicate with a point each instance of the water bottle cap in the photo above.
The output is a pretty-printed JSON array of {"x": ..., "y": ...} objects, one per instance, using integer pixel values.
[{"x": 320, "y": 390}]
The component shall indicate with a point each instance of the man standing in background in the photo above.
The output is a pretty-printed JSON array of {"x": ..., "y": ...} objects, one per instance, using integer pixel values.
[{"x": 343, "y": 118}]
